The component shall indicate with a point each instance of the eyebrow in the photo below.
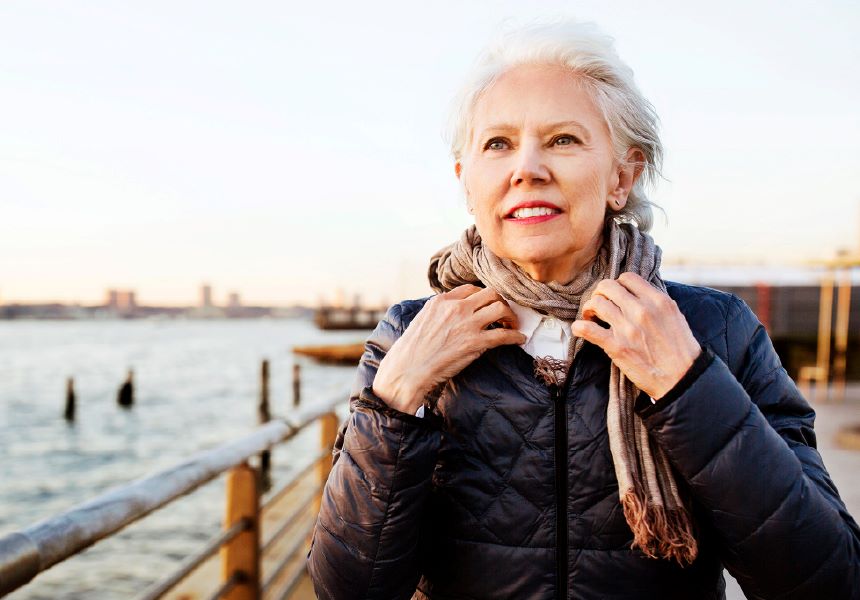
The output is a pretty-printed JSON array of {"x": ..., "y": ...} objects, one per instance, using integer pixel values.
[{"x": 548, "y": 127}]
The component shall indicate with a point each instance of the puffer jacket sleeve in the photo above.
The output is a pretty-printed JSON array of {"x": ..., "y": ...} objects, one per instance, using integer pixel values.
[
  {"x": 741, "y": 436},
  {"x": 366, "y": 538}
]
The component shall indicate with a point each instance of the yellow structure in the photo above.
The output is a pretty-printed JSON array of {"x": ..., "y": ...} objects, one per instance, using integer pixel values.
[{"x": 837, "y": 274}]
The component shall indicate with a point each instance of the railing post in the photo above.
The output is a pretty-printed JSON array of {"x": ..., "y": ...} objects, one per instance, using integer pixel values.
[
  {"x": 297, "y": 384},
  {"x": 263, "y": 417},
  {"x": 242, "y": 554},
  {"x": 328, "y": 435}
]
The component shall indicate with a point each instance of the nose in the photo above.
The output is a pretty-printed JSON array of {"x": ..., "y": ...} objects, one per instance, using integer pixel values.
[{"x": 530, "y": 167}]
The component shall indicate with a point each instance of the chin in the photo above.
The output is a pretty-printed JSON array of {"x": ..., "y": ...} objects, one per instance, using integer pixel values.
[
  {"x": 536, "y": 258},
  {"x": 537, "y": 252}
]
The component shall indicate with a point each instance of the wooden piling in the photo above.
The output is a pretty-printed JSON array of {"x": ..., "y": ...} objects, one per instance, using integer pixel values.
[
  {"x": 69, "y": 412},
  {"x": 240, "y": 557},
  {"x": 125, "y": 395},
  {"x": 297, "y": 384},
  {"x": 264, "y": 416}
]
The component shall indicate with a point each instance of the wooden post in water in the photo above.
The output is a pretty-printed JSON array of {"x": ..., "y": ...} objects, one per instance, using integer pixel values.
[
  {"x": 125, "y": 395},
  {"x": 328, "y": 435},
  {"x": 263, "y": 417},
  {"x": 69, "y": 412},
  {"x": 241, "y": 555},
  {"x": 297, "y": 384}
]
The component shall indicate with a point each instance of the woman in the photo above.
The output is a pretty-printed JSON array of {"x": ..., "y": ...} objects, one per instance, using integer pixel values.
[{"x": 558, "y": 422}]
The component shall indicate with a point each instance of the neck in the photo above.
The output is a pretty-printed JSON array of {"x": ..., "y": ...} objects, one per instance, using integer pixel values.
[{"x": 566, "y": 268}]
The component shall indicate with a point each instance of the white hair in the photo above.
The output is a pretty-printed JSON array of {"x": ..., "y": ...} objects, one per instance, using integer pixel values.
[{"x": 590, "y": 54}]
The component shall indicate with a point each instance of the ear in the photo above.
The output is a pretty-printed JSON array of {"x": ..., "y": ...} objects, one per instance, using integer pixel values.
[
  {"x": 458, "y": 171},
  {"x": 627, "y": 173}
]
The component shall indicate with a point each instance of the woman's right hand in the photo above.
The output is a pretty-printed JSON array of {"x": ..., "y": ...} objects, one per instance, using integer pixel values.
[{"x": 446, "y": 335}]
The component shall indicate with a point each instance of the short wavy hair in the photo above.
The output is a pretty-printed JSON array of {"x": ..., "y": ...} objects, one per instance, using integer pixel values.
[{"x": 590, "y": 54}]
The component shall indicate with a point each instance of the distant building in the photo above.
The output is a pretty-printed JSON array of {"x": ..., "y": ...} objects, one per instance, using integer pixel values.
[
  {"x": 339, "y": 298},
  {"x": 234, "y": 301},
  {"x": 206, "y": 296},
  {"x": 121, "y": 302}
]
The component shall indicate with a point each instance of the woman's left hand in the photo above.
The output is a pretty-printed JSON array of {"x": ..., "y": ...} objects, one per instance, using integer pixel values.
[{"x": 648, "y": 337}]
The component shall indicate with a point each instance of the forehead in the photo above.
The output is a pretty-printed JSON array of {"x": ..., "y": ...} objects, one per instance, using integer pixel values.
[{"x": 532, "y": 95}]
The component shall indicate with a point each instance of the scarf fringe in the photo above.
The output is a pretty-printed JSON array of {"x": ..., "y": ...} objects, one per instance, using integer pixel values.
[
  {"x": 658, "y": 532},
  {"x": 549, "y": 370}
]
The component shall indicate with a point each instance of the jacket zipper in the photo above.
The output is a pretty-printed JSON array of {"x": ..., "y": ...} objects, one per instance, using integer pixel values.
[{"x": 559, "y": 396}]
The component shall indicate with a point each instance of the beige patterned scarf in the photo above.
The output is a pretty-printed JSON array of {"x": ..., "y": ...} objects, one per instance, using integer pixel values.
[{"x": 661, "y": 523}]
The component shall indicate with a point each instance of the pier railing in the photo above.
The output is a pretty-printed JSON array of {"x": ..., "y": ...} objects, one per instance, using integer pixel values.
[{"x": 243, "y": 545}]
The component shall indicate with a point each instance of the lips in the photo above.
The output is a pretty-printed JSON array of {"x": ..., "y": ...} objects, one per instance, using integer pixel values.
[{"x": 533, "y": 211}]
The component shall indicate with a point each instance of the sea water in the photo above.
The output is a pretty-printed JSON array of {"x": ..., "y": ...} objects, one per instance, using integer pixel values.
[{"x": 196, "y": 386}]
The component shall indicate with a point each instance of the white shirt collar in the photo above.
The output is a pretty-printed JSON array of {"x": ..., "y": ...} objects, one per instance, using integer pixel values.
[
  {"x": 528, "y": 319},
  {"x": 545, "y": 335}
]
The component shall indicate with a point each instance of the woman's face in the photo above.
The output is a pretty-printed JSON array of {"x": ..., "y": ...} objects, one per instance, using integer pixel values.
[{"x": 539, "y": 172}]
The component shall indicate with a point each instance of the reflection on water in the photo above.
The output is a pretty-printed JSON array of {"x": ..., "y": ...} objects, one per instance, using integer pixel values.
[{"x": 196, "y": 385}]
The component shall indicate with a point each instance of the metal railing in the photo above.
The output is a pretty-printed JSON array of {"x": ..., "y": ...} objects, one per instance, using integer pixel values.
[{"x": 28, "y": 552}]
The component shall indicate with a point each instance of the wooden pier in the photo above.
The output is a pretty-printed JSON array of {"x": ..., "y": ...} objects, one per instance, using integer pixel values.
[
  {"x": 261, "y": 550},
  {"x": 356, "y": 317},
  {"x": 333, "y": 354}
]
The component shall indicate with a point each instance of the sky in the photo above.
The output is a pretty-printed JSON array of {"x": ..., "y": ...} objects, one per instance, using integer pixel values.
[{"x": 288, "y": 150}]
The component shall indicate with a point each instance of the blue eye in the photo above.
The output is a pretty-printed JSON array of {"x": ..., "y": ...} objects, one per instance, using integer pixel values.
[
  {"x": 496, "y": 144},
  {"x": 564, "y": 140}
]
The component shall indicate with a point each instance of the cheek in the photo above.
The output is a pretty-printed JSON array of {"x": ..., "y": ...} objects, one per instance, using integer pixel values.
[
  {"x": 487, "y": 226},
  {"x": 589, "y": 186},
  {"x": 486, "y": 178},
  {"x": 588, "y": 208}
]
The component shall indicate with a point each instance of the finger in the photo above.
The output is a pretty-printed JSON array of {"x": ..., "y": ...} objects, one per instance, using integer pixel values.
[
  {"x": 483, "y": 298},
  {"x": 602, "y": 308},
  {"x": 639, "y": 287},
  {"x": 490, "y": 338},
  {"x": 619, "y": 295},
  {"x": 592, "y": 332},
  {"x": 496, "y": 311},
  {"x": 647, "y": 293},
  {"x": 462, "y": 291}
]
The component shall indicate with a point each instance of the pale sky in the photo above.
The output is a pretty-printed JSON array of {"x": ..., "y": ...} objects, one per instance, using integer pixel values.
[{"x": 284, "y": 150}]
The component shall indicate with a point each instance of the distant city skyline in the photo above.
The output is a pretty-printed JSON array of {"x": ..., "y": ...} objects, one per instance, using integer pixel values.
[
  {"x": 283, "y": 154},
  {"x": 205, "y": 296}
]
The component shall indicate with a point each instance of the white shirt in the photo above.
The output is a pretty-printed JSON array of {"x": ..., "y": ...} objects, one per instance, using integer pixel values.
[{"x": 545, "y": 335}]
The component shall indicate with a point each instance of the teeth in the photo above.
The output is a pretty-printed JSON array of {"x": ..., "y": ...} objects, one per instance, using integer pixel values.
[{"x": 537, "y": 211}]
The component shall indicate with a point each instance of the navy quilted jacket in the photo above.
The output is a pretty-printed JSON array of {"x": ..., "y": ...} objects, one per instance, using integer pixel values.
[{"x": 510, "y": 492}]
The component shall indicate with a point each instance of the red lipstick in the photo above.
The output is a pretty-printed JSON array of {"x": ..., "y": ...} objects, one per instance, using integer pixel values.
[{"x": 535, "y": 219}]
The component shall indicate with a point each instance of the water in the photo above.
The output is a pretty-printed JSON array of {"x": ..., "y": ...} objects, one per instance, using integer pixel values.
[{"x": 196, "y": 386}]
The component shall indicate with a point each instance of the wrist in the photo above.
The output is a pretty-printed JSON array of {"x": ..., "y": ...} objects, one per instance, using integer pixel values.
[
  {"x": 399, "y": 397},
  {"x": 683, "y": 367},
  {"x": 702, "y": 362}
]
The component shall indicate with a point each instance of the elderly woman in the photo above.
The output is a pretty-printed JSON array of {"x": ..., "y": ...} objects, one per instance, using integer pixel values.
[{"x": 559, "y": 422}]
